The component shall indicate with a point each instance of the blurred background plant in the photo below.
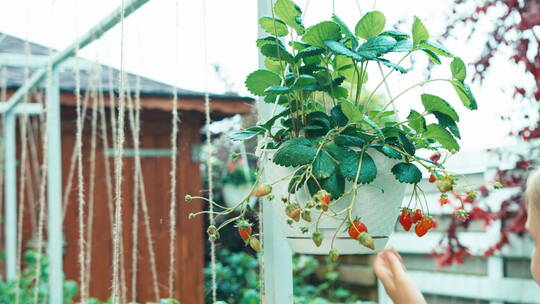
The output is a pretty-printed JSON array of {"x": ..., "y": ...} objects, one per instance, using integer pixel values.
[
  {"x": 315, "y": 280},
  {"x": 26, "y": 292},
  {"x": 513, "y": 34}
]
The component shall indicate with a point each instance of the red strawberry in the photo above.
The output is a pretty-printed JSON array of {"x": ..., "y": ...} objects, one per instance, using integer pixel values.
[
  {"x": 356, "y": 228},
  {"x": 406, "y": 219},
  {"x": 420, "y": 229},
  {"x": 432, "y": 178},
  {"x": 417, "y": 216},
  {"x": 444, "y": 199},
  {"x": 244, "y": 229}
]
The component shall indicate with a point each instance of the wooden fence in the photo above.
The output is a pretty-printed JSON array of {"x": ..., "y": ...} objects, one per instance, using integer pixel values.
[{"x": 501, "y": 279}]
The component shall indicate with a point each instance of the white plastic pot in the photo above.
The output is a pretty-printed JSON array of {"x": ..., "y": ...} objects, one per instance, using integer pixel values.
[
  {"x": 377, "y": 210},
  {"x": 233, "y": 194}
]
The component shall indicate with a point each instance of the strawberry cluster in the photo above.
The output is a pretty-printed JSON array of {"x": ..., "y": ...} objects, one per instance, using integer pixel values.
[{"x": 423, "y": 223}]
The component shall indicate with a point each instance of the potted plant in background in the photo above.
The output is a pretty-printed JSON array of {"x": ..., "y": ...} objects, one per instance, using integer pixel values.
[
  {"x": 334, "y": 157},
  {"x": 238, "y": 181}
]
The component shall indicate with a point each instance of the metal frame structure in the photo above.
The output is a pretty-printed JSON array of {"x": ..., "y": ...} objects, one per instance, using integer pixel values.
[{"x": 48, "y": 70}]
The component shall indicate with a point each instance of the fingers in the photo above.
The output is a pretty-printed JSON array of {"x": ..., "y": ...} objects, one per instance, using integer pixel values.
[
  {"x": 395, "y": 264},
  {"x": 383, "y": 272}
]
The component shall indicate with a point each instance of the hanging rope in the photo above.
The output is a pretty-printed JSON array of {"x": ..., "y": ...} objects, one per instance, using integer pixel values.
[
  {"x": 43, "y": 181},
  {"x": 74, "y": 157},
  {"x": 92, "y": 181},
  {"x": 118, "y": 163},
  {"x": 135, "y": 130},
  {"x": 80, "y": 179},
  {"x": 209, "y": 151},
  {"x": 174, "y": 149},
  {"x": 136, "y": 190}
]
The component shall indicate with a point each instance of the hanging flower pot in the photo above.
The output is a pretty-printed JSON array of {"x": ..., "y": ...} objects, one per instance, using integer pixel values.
[
  {"x": 375, "y": 206},
  {"x": 336, "y": 156}
]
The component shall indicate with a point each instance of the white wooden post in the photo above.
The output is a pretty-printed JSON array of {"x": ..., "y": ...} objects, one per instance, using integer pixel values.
[
  {"x": 54, "y": 190},
  {"x": 10, "y": 193},
  {"x": 277, "y": 256}
]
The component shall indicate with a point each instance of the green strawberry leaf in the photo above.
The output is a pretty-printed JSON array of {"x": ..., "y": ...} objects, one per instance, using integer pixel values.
[
  {"x": 398, "y": 35},
  {"x": 349, "y": 141},
  {"x": 458, "y": 68},
  {"x": 303, "y": 81},
  {"x": 375, "y": 128},
  {"x": 377, "y": 46},
  {"x": 276, "y": 51},
  {"x": 247, "y": 134},
  {"x": 341, "y": 49},
  {"x": 349, "y": 167},
  {"x": 310, "y": 51},
  {"x": 439, "y": 134},
  {"x": 335, "y": 185},
  {"x": 436, "y": 48},
  {"x": 403, "y": 46},
  {"x": 277, "y": 90},
  {"x": 408, "y": 146},
  {"x": 295, "y": 152},
  {"x": 432, "y": 56},
  {"x": 447, "y": 122},
  {"x": 419, "y": 31},
  {"x": 389, "y": 152},
  {"x": 291, "y": 14},
  {"x": 417, "y": 122},
  {"x": 338, "y": 116},
  {"x": 465, "y": 94},
  {"x": 351, "y": 111},
  {"x": 434, "y": 103},
  {"x": 407, "y": 173},
  {"x": 392, "y": 65},
  {"x": 274, "y": 26},
  {"x": 260, "y": 80},
  {"x": 323, "y": 165},
  {"x": 346, "y": 31},
  {"x": 319, "y": 33},
  {"x": 370, "y": 25}
]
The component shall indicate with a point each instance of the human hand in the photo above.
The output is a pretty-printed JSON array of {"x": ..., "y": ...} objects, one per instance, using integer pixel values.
[{"x": 399, "y": 286}]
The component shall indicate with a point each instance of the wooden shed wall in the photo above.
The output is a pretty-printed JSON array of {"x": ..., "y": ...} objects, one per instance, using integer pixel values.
[{"x": 155, "y": 134}]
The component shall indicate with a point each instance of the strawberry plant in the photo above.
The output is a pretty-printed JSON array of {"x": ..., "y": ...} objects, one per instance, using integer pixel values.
[{"x": 338, "y": 136}]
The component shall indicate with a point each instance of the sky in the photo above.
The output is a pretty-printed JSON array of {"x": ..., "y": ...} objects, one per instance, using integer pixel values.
[{"x": 163, "y": 47}]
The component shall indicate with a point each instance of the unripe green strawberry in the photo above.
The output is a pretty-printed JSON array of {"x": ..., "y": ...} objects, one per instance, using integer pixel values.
[
  {"x": 188, "y": 198},
  {"x": 262, "y": 190},
  {"x": 255, "y": 244},
  {"x": 333, "y": 254},
  {"x": 365, "y": 239},
  {"x": 317, "y": 238},
  {"x": 306, "y": 215},
  {"x": 324, "y": 198},
  {"x": 445, "y": 184},
  {"x": 293, "y": 211}
]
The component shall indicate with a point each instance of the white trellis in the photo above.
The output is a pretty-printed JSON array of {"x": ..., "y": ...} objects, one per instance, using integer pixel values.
[{"x": 47, "y": 70}]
